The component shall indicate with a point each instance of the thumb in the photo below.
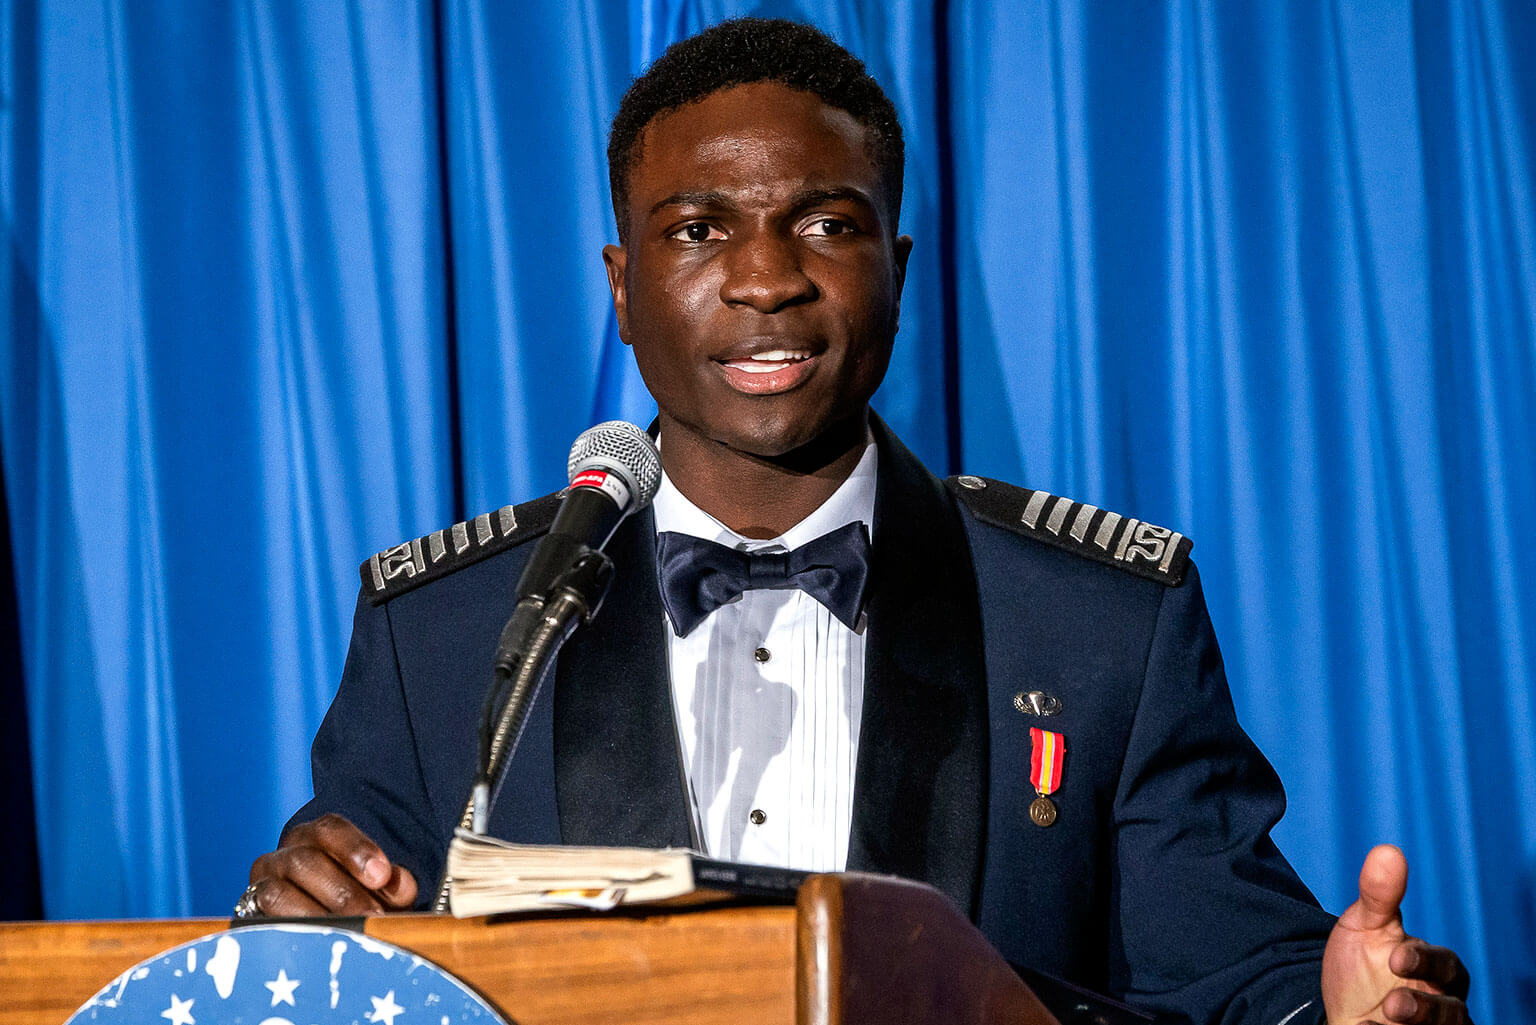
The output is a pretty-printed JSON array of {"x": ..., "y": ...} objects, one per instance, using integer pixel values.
[
  {"x": 1383, "y": 881},
  {"x": 400, "y": 890}
]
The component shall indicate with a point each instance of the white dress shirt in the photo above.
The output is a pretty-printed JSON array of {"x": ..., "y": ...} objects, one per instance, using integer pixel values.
[{"x": 767, "y": 693}]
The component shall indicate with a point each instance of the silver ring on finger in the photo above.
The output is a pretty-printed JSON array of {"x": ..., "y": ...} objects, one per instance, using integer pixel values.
[{"x": 246, "y": 906}]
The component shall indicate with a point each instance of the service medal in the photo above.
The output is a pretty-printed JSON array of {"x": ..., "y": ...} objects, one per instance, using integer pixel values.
[{"x": 1048, "y": 750}]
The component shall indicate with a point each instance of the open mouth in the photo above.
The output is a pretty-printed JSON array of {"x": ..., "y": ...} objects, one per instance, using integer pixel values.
[
  {"x": 769, "y": 372},
  {"x": 767, "y": 362}
]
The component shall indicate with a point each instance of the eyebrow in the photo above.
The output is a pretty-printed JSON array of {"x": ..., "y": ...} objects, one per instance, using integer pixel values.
[
  {"x": 840, "y": 194},
  {"x": 708, "y": 197},
  {"x": 799, "y": 201}
]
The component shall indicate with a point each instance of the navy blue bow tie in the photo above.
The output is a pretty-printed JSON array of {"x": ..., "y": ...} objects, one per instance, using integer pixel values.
[{"x": 699, "y": 576}]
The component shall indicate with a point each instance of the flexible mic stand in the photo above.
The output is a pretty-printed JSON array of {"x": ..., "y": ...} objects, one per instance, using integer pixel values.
[{"x": 528, "y": 643}]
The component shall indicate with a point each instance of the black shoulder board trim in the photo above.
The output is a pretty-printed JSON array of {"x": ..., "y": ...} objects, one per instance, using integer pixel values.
[
  {"x": 399, "y": 569},
  {"x": 1136, "y": 546}
]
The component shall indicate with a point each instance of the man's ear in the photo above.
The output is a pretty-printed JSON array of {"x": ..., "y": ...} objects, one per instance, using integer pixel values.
[
  {"x": 614, "y": 258},
  {"x": 902, "y": 250}
]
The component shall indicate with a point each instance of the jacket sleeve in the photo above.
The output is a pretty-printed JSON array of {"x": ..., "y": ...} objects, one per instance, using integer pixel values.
[
  {"x": 1200, "y": 892},
  {"x": 364, "y": 760}
]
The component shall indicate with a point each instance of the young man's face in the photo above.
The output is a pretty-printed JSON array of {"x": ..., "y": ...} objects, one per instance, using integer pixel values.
[{"x": 760, "y": 282}]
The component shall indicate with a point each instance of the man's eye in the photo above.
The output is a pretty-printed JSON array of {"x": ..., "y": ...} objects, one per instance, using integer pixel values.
[
  {"x": 697, "y": 231},
  {"x": 828, "y": 226}
]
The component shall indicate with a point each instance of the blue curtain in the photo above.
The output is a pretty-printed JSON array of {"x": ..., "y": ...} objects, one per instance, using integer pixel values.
[{"x": 286, "y": 284}]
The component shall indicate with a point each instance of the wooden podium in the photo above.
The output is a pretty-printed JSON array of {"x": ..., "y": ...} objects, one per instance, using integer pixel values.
[{"x": 855, "y": 948}]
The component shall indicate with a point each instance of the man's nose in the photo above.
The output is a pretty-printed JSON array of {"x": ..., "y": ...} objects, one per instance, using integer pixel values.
[{"x": 764, "y": 272}]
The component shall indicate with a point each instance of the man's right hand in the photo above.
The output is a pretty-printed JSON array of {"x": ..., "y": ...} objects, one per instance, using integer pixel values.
[{"x": 328, "y": 867}]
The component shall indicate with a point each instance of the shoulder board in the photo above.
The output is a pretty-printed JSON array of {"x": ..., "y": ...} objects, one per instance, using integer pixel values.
[
  {"x": 399, "y": 569},
  {"x": 1136, "y": 546}
]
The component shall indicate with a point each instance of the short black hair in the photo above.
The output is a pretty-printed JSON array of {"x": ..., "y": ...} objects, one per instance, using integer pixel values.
[{"x": 743, "y": 51}]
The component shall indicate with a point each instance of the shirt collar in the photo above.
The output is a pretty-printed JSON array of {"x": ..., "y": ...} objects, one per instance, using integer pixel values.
[{"x": 852, "y": 502}]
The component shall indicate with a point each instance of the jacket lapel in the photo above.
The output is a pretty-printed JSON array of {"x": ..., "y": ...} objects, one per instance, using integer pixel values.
[
  {"x": 618, "y": 778},
  {"x": 920, "y": 788}
]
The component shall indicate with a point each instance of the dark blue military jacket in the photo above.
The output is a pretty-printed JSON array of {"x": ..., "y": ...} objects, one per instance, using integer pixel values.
[{"x": 1158, "y": 881}]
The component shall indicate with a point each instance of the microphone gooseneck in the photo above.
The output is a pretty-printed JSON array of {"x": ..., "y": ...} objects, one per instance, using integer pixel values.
[{"x": 614, "y": 470}]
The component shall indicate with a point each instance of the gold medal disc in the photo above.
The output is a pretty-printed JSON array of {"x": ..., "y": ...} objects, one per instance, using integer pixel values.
[{"x": 1042, "y": 812}]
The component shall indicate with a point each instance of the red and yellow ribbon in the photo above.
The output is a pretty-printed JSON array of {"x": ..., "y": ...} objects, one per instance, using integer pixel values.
[{"x": 1045, "y": 760}]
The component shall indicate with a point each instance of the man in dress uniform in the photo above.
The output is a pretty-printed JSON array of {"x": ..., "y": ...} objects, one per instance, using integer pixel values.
[{"x": 902, "y": 709}]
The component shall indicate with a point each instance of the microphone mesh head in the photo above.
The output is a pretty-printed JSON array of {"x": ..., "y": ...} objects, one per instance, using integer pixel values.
[{"x": 623, "y": 449}]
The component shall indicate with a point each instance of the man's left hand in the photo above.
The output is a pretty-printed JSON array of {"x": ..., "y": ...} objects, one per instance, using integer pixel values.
[{"x": 1373, "y": 971}]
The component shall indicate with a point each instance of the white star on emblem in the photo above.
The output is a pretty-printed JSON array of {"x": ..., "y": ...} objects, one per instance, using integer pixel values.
[
  {"x": 180, "y": 1012},
  {"x": 384, "y": 1008},
  {"x": 282, "y": 988}
]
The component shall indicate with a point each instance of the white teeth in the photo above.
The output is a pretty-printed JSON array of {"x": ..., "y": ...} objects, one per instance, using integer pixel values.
[{"x": 768, "y": 362}]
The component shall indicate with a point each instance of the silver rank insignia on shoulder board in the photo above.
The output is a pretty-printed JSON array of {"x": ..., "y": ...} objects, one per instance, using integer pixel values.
[
  {"x": 404, "y": 567},
  {"x": 1134, "y": 545}
]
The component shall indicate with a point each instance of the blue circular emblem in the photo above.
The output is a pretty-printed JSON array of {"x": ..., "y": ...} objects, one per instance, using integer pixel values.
[{"x": 286, "y": 975}]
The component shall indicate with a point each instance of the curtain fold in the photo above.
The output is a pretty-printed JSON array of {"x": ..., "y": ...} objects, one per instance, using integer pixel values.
[
  {"x": 284, "y": 286},
  {"x": 225, "y": 277}
]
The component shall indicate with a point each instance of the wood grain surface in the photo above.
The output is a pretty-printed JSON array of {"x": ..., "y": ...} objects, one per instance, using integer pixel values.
[
  {"x": 722, "y": 966},
  {"x": 880, "y": 949}
]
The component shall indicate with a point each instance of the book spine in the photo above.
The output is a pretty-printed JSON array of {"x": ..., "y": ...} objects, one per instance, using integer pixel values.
[{"x": 747, "y": 880}]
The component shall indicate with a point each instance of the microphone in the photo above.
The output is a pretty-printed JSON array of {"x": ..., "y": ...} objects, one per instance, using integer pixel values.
[{"x": 614, "y": 470}]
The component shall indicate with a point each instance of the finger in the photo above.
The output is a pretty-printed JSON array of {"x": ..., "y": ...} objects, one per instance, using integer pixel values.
[
  {"x": 317, "y": 874},
  {"x": 1438, "y": 966},
  {"x": 1414, "y": 1007},
  {"x": 280, "y": 899},
  {"x": 1383, "y": 881},
  {"x": 400, "y": 892},
  {"x": 349, "y": 846}
]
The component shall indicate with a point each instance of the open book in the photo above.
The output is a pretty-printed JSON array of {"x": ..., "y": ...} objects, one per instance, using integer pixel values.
[{"x": 492, "y": 877}]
